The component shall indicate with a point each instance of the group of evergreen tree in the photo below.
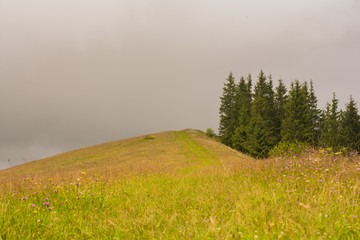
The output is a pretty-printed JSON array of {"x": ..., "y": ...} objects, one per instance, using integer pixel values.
[{"x": 256, "y": 118}]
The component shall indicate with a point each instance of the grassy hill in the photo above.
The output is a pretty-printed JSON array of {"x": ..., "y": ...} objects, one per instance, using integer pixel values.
[
  {"x": 180, "y": 185},
  {"x": 167, "y": 152}
]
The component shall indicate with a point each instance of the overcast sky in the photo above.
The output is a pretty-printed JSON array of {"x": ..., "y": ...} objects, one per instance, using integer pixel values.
[{"x": 75, "y": 73}]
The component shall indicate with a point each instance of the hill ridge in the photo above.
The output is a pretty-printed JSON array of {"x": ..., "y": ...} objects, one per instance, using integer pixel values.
[{"x": 168, "y": 151}]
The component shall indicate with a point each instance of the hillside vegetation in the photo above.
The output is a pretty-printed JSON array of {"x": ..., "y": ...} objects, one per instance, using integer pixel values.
[
  {"x": 166, "y": 152},
  {"x": 181, "y": 185}
]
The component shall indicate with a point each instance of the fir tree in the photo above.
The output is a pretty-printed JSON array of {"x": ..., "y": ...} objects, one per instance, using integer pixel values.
[
  {"x": 315, "y": 114},
  {"x": 226, "y": 128},
  {"x": 261, "y": 128},
  {"x": 331, "y": 131},
  {"x": 296, "y": 125},
  {"x": 351, "y": 126},
  {"x": 243, "y": 106},
  {"x": 280, "y": 102}
]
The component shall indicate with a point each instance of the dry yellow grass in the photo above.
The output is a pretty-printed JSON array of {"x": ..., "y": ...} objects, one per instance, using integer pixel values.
[
  {"x": 180, "y": 185},
  {"x": 166, "y": 152}
]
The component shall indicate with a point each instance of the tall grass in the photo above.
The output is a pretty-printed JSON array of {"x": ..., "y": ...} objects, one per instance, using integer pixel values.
[{"x": 310, "y": 196}]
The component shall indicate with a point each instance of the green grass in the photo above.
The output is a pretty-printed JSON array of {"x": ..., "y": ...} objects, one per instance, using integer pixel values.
[{"x": 180, "y": 185}]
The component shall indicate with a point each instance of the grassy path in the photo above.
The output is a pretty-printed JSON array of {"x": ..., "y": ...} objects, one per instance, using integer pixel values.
[{"x": 195, "y": 152}]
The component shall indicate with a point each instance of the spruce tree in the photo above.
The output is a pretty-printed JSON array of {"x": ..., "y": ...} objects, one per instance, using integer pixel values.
[
  {"x": 261, "y": 128},
  {"x": 243, "y": 106},
  {"x": 226, "y": 128},
  {"x": 280, "y": 102},
  {"x": 351, "y": 126},
  {"x": 315, "y": 115},
  {"x": 238, "y": 100},
  {"x": 296, "y": 125},
  {"x": 331, "y": 128}
]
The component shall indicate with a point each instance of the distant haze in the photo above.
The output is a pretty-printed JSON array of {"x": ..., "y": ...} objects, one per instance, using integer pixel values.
[{"x": 75, "y": 73}]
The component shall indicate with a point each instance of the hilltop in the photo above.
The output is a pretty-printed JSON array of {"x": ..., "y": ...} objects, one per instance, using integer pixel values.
[{"x": 168, "y": 152}]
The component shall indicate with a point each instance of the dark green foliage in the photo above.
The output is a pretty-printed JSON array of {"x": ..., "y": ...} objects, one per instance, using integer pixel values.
[
  {"x": 261, "y": 128},
  {"x": 210, "y": 133},
  {"x": 227, "y": 122},
  {"x": 242, "y": 108},
  {"x": 331, "y": 131},
  {"x": 350, "y": 125},
  {"x": 264, "y": 121},
  {"x": 280, "y": 103},
  {"x": 315, "y": 114},
  {"x": 297, "y": 123}
]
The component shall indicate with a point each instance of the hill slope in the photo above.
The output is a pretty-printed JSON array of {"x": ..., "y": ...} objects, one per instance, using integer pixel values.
[
  {"x": 168, "y": 152},
  {"x": 180, "y": 185}
]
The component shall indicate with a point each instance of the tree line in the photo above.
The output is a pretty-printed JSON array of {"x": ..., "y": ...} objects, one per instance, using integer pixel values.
[{"x": 255, "y": 118}]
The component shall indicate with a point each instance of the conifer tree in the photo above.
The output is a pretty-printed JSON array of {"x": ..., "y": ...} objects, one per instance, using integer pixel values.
[
  {"x": 351, "y": 126},
  {"x": 238, "y": 100},
  {"x": 331, "y": 131},
  {"x": 243, "y": 106},
  {"x": 280, "y": 102},
  {"x": 296, "y": 125},
  {"x": 315, "y": 115},
  {"x": 226, "y": 128},
  {"x": 261, "y": 128}
]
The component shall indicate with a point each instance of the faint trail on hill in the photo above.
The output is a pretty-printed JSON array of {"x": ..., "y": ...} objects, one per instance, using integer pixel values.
[{"x": 192, "y": 150}]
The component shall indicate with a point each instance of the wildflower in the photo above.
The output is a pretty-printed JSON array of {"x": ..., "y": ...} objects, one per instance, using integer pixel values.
[
  {"x": 24, "y": 198},
  {"x": 45, "y": 199},
  {"x": 33, "y": 205},
  {"x": 34, "y": 211},
  {"x": 355, "y": 216},
  {"x": 46, "y": 203},
  {"x": 50, "y": 208}
]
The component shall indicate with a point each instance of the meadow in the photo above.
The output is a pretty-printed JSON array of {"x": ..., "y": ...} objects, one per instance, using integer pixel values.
[{"x": 181, "y": 185}]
